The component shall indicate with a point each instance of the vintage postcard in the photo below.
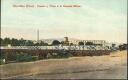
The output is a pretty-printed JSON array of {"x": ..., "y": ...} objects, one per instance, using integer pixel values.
[{"x": 63, "y": 39}]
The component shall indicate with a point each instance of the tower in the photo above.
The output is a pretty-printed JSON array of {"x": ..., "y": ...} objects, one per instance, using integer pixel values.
[
  {"x": 66, "y": 39},
  {"x": 38, "y": 36},
  {"x": 66, "y": 42}
]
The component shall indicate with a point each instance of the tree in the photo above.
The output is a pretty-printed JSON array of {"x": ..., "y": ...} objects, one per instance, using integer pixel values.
[
  {"x": 89, "y": 43},
  {"x": 1, "y": 41},
  {"x": 22, "y": 42},
  {"x": 6, "y": 41},
  {"x": 71, "y": 44},
  {"x": 14, "y": 42},
  {"x": 123, "y": 47},
  {"x": 62, "y": 42},
  {"x": 81, "y": 43},
  {"x": 43, "y": 44},
  {"x": 29, "y": 43},
  {"x": 55, "y": 42},
  {"x": 36, "y": 44},
  {"x": 113, "y": 45}
]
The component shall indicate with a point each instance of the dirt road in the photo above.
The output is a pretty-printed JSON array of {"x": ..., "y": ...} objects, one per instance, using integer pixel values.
[{"x": 112, "y": 66}]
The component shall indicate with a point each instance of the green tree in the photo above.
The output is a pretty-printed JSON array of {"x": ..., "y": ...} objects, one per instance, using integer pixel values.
[
  {"x": 6, "y": 41},
  {"x": 14, "y": 42},
  {"x": 80, "y": 43},
  {"x": 29, "y": 43},
  {"x": 36, "y": 44},
  {"x": 22, "y": 42},
  {"x": 113, "y": 45},
  {"x": 55, "y": 42},
  {"x": 1, "y": 41},
  {"x": 62, "y": 42},
  {"x": 43, "y": 44},
  {"x": 71, "y": 44},
  {"x": 89, "y": 43}
]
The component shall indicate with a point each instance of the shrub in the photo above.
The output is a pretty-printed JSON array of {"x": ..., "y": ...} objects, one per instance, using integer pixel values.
[
  {"x": 25, "y": 57},
  {"x": 64, "y": 54},
  {"x": 1, "y": 62},
  {"x": 60, "y": 54},
  {"x": 34, "y": 58}
]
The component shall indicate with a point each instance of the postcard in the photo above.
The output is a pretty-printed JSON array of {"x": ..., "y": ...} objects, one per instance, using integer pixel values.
[{"x": 63, "y": 39}]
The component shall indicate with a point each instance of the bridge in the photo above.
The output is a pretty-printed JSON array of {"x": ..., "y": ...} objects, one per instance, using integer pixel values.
[
  {"x": 57, "y": 47},
  {"x": 43, "y": 51}
]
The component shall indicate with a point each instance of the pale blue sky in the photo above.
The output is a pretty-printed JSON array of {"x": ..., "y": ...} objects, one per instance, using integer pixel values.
[{"x": 95, "y": 19}]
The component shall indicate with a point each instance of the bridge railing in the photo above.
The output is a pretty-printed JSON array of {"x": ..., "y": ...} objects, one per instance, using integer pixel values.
[{"x": 57, "y": 47}]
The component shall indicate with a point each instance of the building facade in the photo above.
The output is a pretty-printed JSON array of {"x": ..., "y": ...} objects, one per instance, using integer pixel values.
[{"x": 76, "y": 42}]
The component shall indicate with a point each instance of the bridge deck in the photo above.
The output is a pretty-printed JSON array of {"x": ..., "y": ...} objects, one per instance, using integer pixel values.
[
  {"x": 43, "y": 51},
  {"x": 58, "y": 47}
]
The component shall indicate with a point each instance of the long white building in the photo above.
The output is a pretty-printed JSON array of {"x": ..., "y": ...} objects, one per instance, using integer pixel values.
[
  {"x": 103, "y": 42},
  {"x": 76, "y": 41}
]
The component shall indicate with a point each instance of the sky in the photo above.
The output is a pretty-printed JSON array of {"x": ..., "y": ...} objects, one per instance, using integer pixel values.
[{"x": 94, "y": 20}]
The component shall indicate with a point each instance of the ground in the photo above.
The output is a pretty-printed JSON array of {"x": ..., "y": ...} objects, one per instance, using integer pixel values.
[{"x": 113, "y": 66}]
